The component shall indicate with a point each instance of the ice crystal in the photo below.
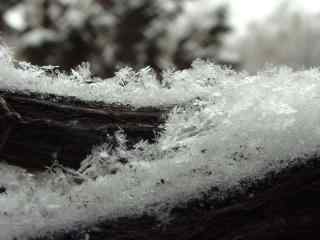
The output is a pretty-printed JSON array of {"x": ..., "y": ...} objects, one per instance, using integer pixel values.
[{"x": 226, "y": 127}]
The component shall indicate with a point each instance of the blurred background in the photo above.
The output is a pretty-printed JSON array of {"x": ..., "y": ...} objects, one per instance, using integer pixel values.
[{"x": 110, "y": 34}]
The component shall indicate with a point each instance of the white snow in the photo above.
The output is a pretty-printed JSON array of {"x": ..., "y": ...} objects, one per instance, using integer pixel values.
[
  {"x": 127, "y": 87},
  {"x": 231, "y": 126}
]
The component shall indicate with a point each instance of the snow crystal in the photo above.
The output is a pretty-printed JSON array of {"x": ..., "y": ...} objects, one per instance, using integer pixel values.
[
  {"x": 226, "y": 127},
  {"x": 126, "y": 87}
]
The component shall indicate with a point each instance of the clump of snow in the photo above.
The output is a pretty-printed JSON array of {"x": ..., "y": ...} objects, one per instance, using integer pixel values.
[
  {"x": 138, "y": 89},
  {"x": 227, "y": 127}
]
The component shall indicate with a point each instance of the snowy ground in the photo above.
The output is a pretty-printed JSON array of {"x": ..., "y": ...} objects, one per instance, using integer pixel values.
[{"x": 231, "y": 126}]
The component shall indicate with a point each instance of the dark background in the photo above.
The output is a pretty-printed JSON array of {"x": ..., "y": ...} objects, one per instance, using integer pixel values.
[{"x": 110, "y": 34}]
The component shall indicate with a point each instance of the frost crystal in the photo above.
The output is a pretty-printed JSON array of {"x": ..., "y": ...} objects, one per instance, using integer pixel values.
[{"x": 227, "y": 127}]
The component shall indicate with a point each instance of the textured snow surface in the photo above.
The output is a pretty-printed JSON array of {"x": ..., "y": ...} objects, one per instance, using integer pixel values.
[
  {"x": 127, "y": 86},
  {"x": 230, "y": 127}
]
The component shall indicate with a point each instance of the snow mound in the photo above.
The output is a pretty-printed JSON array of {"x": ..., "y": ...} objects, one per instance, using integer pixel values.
[{"x": 228, "y": 127}]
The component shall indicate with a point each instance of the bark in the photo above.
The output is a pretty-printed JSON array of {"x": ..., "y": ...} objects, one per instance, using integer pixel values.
[{"x": 66, "y": 129}]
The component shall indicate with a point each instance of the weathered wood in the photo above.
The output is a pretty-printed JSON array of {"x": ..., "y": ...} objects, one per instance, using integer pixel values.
[{"x": 63, "y": 129}]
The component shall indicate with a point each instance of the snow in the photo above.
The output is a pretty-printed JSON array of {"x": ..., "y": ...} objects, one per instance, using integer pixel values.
[
  {"x": 126, "y": 87},
  {"x": 229, "y": 126}
]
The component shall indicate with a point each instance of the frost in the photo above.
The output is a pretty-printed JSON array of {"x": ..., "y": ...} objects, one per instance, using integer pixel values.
[
  {"x": 138, "y": 89},
  {"x": 226, "y": 127}
]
